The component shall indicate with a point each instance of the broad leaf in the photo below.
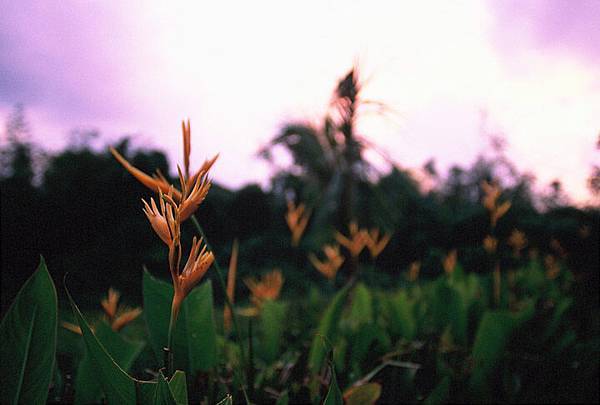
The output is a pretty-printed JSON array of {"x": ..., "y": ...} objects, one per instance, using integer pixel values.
[
  {"x": 440, "y": 393},
  {"x": 402, "y": 318},
  {"x": 327, "y": 329},
  {"x": 163, "y": 394},
  {"x": 272, "y": 321},
  {"x": 28, "y": 341},
  {"x": 117, "y": 385},
  {"x": 334, "y": 395},
  {"x": 194, "y": 338},
  {"x": 87, "y": 387},
  {"x": 179, "y": 387},
  {"x": 493, "y": 334},
  {"x": 361, "y": 310}
]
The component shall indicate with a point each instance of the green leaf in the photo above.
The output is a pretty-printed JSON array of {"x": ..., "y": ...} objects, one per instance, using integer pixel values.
[
  {"x": 402, "y": 318},
  {"x": 87, "y": 387},
  {"x": 440, "y": 393},
  {"x": 117, "y": 385},
  {"x": 493, "y": 334},
  {"x": 361, "y": 310},
  {"x": 179, "y": 388},
  {"x": 334, "y": 395},
  {"x": 28, "y": 341},
  {"x": 557, "y": 317},
  {"x": 272, "y": 321},
  {"x": 194, "y": 337},
  {"x": 163, "y": 394},
  {"x": 448, "y": 309},
  {"x": 328, "y": 327},
  {"x": 363, "y": 395}
]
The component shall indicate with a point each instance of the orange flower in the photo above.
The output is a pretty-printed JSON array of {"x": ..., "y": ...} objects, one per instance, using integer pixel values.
[
  {"x": 375, "y": 244},
  {"x": 125, "y": 317},
  {"x": 331, "y": 265},
  {"x": 266, "y": 289},
  {"x": 490, "y": 244},
  {"x": 552, "y": 267},
  {"x": 158, "y": 182},
  {"x": 71, "y": 327},
  {"x": 517, "y": 241},
  {"x": 118, "y": 316},
  {"x": 110, "y": 303},
  {"x": 196, "y": 266},
  {"x": 450, "y": 261},
  {"x": 356, "y": 242},
  {"x": 297, "y": 219},
  {"x": 558, "y": 248},
  {"x": 231, "y": 285},
  {"x": 492, "y": 192},
  {"x": 499, "y": 212},
  {"x": 163, "y": 221},
  {"x": 413, "y": 271}
]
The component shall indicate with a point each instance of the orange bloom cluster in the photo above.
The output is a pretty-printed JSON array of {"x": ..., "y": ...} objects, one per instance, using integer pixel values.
[
  {"x": 375, "y": 244},
  {"x": 268, "y": 288},
  {"x": 297, "y": 219},
  {"x": 118, "y": 316},
  {"x": 552, "y": 267},
  {"x": 331, "y": 264},
  {"x": 490, "y": 202},
  {"x": 413, "y": 271},
  {"x": 517, "y": 240},
  {"x": 357, "y": 240},
  {"x": 173, "y": 208},
  {"x": 449, "y": 261},
  {"x": 490, "y": 244}
]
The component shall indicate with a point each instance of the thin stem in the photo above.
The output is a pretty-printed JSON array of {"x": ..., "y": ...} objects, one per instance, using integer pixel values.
[
  {"x": 227, "y": 300},
  {"x": 250, "y": 372},
  {"x": 168, "y": 352}
]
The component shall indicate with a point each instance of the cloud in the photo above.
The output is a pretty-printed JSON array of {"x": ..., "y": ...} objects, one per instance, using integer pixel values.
[{"x": 561, "y": 26}]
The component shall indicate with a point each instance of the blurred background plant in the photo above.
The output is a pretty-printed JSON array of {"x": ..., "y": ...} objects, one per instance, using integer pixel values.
[{"x": 448, "y": 290}]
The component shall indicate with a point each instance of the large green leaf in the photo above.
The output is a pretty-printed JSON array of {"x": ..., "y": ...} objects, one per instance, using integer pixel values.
[
  {"x": 448, "y": 308},
  {"x": 327, "y": 329},
  {"x": 334, "y": 395},
  {"x": 87, "y": 387},
  {"x": 28, "y": 341},
  {"x": 272, "y": 321},
  {"x": 194, "y": 337},
  {"x": 440, "y": 393},
  {"x": 561, "y": 308},
  {"x": 118, "y": 386},
  {"x": 179, "y": 387},
  {"x": 361, "y": 310},
  {"x": 163, "y": 394},
  {"x": 493, "y": 334},
  {"x": 402, "y": 318}
]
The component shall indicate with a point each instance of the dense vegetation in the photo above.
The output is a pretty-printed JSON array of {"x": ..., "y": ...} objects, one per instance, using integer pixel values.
[{"x": 474, "y": 290}]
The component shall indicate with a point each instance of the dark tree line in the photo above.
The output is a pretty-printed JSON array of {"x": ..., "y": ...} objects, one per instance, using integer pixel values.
[{"x": 82, "y": 212}]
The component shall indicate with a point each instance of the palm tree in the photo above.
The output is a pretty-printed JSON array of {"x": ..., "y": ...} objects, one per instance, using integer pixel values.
[{"x": 327, "y": 160}]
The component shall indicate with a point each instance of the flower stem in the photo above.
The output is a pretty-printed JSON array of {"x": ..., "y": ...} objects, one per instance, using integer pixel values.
[
  {"x": 168, "y": 351},
  {"x": 228, "y": 302}
]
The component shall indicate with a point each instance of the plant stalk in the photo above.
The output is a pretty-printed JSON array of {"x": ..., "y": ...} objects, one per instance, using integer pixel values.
[{"x": 228, "y": 302}]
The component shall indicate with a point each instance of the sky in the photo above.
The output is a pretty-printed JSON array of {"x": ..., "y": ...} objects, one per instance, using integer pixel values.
[{"x": 449, "y": 72}]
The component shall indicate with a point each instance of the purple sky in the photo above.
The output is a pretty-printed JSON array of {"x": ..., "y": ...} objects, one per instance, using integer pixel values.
[{"x": 239, "y": 71}]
